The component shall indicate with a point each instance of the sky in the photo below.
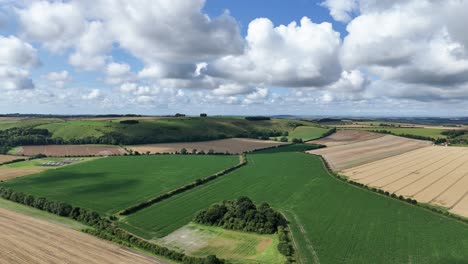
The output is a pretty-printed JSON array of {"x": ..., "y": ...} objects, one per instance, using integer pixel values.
[{"x": 231, "y": 57}]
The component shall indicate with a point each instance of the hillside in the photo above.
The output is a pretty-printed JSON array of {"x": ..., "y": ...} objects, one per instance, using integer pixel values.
[{"x": 140, "y": 130}]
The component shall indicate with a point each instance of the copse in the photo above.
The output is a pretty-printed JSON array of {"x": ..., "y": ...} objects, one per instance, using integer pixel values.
[
  {"x": 242, "y": 214},
  {"x": 257, "y": 118}
]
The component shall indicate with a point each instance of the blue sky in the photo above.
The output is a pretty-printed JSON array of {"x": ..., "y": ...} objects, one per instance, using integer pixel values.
[{"x": 328, "y": 57}]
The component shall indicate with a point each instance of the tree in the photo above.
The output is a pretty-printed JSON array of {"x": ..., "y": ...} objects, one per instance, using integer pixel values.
[
  {"x": 183, "y": 151},
  {"x": 284, "y": 139},
  {"x": 203, "y": 115}
]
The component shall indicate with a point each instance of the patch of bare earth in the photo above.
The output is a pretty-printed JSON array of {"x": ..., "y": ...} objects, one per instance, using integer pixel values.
[
  {"x": 435, "y": 174},
  {"x": 343, "y": 137},
  {"x": 11, "y": 173},
  {"x": 354, "y": 154},
  {"x": 263, "y": 245},
  {"x": 29, "y": 240},
  {"x": 70, "y": 150},
  {"x": 232, "y": 145},
  {"x": 8, "y": 158}
]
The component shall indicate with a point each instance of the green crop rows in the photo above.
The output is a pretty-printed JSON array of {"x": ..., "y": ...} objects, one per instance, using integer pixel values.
[{"x": 111, "y": 184}]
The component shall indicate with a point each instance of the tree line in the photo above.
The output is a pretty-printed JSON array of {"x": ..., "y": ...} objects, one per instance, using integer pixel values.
[
  {"x": 103, "y": 227},
  {"x": 23, "y": 136}
]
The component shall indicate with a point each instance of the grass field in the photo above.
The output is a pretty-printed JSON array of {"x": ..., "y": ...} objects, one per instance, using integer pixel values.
[
  {"x": 332, "y": 222},
  {"x": 108, "y": 185},
  {"x": 306, "y": 133},
  {"x": 235, "y": 246},
  {"x": 426, "y": 132}
]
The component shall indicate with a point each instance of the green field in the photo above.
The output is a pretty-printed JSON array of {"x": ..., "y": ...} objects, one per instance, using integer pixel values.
[
  {"x": 306, "y": 133},
  {"x": 108, "y": 185},
  {"x": 332, "y": 221},
  {"x": 234, "y": 246},
  {"x": 426, "y": 132}
]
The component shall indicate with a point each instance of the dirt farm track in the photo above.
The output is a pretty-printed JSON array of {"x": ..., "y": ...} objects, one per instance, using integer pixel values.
[
  {"x": 436, "y": 175},
  {"x": 29, "y": 240}
]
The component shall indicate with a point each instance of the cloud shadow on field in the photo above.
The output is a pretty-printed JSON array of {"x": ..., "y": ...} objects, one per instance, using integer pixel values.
[{"x": 107, "y": 186}]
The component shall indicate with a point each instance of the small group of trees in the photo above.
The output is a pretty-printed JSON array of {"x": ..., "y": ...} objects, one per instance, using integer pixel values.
[
  {"x": 285, "y": 245},
  {"x": 242, "y": 214},
  {"x": 257, "y": 118},
  {"x": 129, "y": 122}
]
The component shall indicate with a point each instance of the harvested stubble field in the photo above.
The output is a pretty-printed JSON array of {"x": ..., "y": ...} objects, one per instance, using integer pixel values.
[
  {"x": 344, "y": 137},
  {"x": 347, "y": 156},
  {"x": 436, "y": 175},
  {"x": 8, "y": 158},
  {"x": 332, "y": 222},
  {"x": 7, "y": 173},
  {"x": 232, "y": 145},
  {"x": 69, "y": 150},
  {"x": 29, "y": 240}
]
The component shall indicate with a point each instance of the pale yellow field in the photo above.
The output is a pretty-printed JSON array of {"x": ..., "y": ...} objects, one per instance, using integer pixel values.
[
  {"x": 11, "y": 173},
  {"x": 435, "y": 174},
  {"x": 29, "y": 240},
  {"x": 354, "y": 154},
  {"x": 8, "y": 158}
]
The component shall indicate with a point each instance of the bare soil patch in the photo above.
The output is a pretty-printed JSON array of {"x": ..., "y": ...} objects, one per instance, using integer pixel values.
[
  {"x": 354, "y": 154},
  {"x": 30, "y": 240},
  {"x": 8, "y": 158},
  {"x": 70, "y": 150},
  {"x": 344, "y": 137},
  {"x": 435, "y": 174},
  {"x": 11, "y": 173},
  {"x": 232, "y": 145}
]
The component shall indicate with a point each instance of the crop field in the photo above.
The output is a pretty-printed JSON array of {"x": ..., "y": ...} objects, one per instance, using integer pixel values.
[
  {"x": 29, "y": 240},
  {"x": 8, "y": 158},
  {"x": 235, "y": 246},
  {"x": 344, "y": 137},
  {"x": 332, "y": 222},
  {"x": 69, "y": 150},
  {"x": 417, "y": 131},
  {"x": 436, "y": 175},
  {"x": 108, "y": 185},
  {"x": 232, "y": 145},
  {"x": 7, "y": 173},
  {"x": 355, "y": 154}
]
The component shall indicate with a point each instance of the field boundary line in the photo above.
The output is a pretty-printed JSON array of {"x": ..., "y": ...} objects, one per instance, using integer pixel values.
[
  {"x": 309, "y": 243},
  {"x": 198, "y": 182}
]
